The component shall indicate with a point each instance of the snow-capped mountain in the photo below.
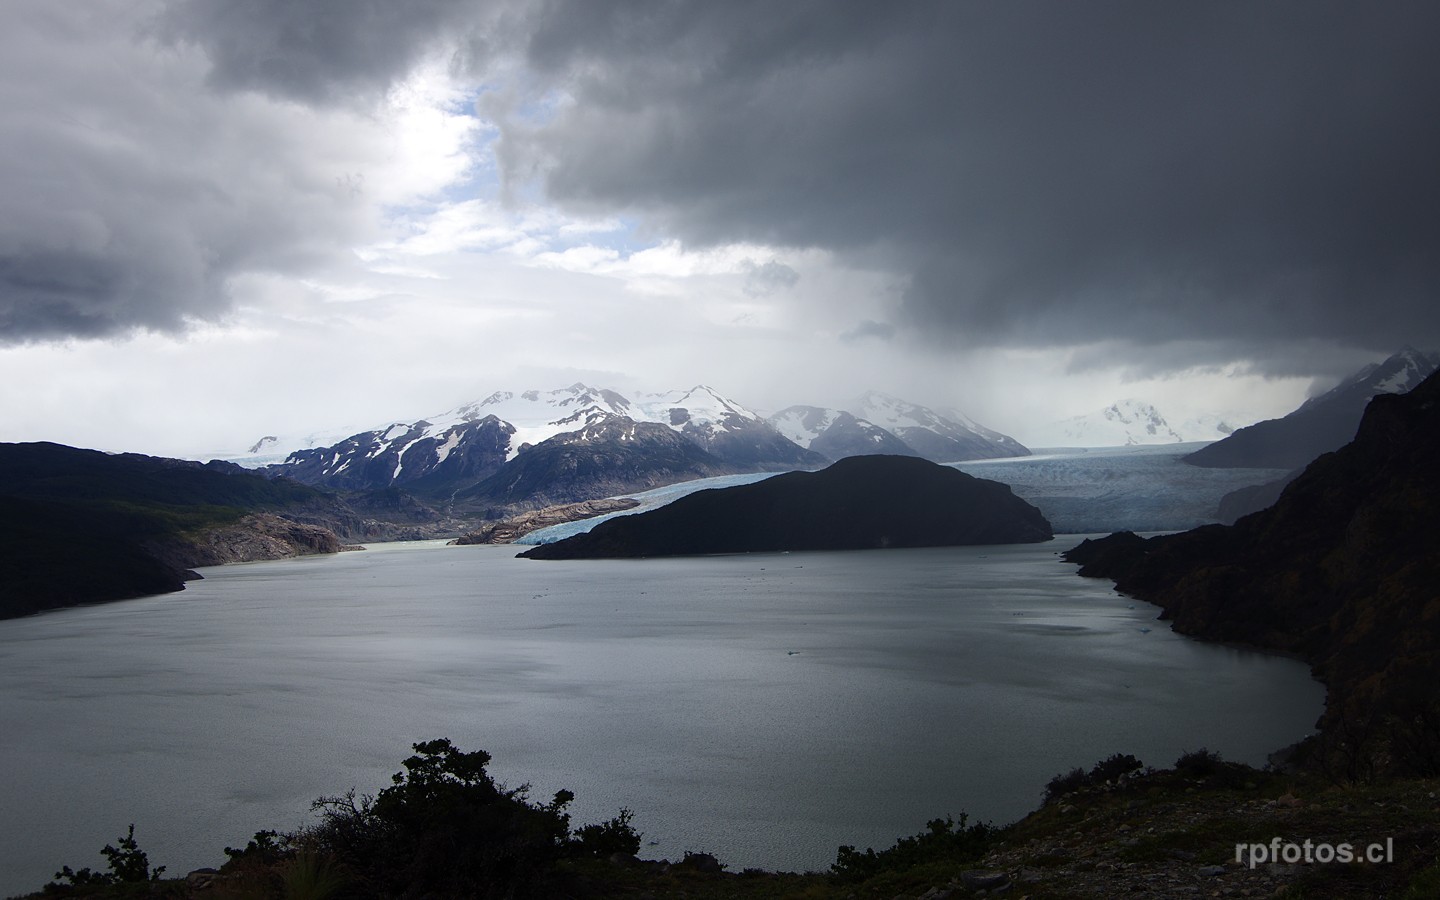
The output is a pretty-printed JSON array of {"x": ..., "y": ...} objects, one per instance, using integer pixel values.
[
  {"x": 540, "y": 415},
  {"x": 420, "y": 455},
  {"x": 617, "y": 455},
  {"x": 724, "y": 428},
  {"x": 1123, "y": 423},
  {"x": 934, "y": 436},
  {"x": 459, "y": 448},
  {"x": 1320, "y": 424},
  {"x": 1397, "y": 374},
  {"x": 836, "y": 434},
  {"x": 1210, "y": 427}
]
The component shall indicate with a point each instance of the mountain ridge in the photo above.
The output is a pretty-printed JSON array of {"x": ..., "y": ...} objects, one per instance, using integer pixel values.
[
  {"x": 141, "y": 523},
  {"x": 447, "y": 458},
  {"x": 1320, "y": 424}
]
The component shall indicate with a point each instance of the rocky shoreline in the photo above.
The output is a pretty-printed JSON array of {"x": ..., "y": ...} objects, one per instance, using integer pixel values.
[
  {"x": 512, "y": 529},
  {"x": 258, "y": 536}
]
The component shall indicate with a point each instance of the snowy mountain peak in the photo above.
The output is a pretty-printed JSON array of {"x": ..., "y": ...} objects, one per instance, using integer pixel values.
[
  {"x": 1397, "y": 374},
  {"x": 891, "y": 412},
  {"x": 1125, "y": 422},
  {"x": 806, "y": 424},
  {"x": 934, "y": 436},
  {"x": 803, "y": 424},
  {"x": 836, "y": 434},
  {"x": 700, "y": 405}
]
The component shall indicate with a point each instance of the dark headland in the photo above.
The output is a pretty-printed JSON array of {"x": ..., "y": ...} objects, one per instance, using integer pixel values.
[
  {"x": 1343, "y": 571},
  {"x": 859, "y": 503}
]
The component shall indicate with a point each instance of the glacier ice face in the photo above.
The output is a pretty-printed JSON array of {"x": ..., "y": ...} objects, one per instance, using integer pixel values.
[{"x": 1134, "y": 488}]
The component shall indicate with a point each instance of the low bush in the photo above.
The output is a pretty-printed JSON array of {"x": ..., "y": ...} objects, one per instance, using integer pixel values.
[
  {"x": 1108, "y": 769},
  {"x": 943, "y": 840},
  {"x": 128, "y": 864},
  {"x": 446, "y": 828},
  {"x": 1199, "y": 764}
]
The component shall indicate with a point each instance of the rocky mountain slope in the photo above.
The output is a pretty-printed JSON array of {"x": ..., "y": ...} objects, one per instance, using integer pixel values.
[
  {"x": 863, "y": 502},
  {"x": 1322, "y": 423},
  {"x": 614, "y": 456},
  {"x": 1344, "y": 571},
  {"x": 80, "y": 526}
]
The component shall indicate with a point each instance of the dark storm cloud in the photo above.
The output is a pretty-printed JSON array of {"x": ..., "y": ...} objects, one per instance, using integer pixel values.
[
  {"x": 316, "y": 50},
  {"x": 1044, "y": 172},
  {"x": 132, "y": 195},
  {"x": 1225, "y": 174}
]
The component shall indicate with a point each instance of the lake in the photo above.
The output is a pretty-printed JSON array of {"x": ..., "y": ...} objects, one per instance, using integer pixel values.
[{"x": 765, "y": 708}]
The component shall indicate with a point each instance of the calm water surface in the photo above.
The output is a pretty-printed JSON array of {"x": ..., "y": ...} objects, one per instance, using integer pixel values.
[{"x": 765, "y": 708}]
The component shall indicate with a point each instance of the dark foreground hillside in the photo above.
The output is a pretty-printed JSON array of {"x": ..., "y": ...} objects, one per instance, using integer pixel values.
[
  {"x": 859, "y": 503},
  {"x": 445, "y": 829}
]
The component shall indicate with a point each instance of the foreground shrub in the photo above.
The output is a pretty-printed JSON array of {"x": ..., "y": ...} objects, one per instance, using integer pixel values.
[
  {"x": 1199, "y": 763},
  {"x": 607, "y": 838},
  {"x": 445, "y": 828},
  {"x": 943, "y": 840},
  {"x": 1106, "y": 770},
  {"x": 128, "y": 865},
  {"x": 1068, "y": 783}
]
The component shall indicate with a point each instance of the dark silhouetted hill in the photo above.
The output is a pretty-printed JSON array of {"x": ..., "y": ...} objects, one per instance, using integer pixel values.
[{"x": 858, "y": 503}]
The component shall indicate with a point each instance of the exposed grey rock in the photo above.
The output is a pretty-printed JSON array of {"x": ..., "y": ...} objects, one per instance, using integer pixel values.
[
  {"x": 977, "y": 880},
  {"x": 510, "y": 530},
  {"x": 258, "y": 536}
]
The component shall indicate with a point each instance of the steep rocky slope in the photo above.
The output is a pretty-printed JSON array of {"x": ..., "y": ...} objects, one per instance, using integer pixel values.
[{"x": 80, "y": 526}]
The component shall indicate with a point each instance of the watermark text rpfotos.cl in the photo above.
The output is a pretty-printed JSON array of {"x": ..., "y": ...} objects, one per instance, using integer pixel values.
[{"x": 1291, "y": 853}]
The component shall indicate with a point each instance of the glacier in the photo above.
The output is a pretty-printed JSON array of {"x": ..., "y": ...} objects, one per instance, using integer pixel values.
[
  {"x": 651, "y": 499},
  {"x": 1081, "y": 490},
  {"x": 1146, "y": 487}
]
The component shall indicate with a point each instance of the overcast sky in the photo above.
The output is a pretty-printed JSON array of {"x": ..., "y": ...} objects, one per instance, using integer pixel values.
[{"x": 223, "y": 220}]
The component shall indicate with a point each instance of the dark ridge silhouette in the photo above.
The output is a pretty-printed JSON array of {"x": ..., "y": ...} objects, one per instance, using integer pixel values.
[{"x": 858, "y": 503}]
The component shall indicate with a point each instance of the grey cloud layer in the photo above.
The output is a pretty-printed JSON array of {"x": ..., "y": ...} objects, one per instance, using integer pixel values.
[
  {"x": 130, "y": 197},
  {"x": 318, "y": 51},
  {"x": 1235, "y": 173},
  {"x": 1045, "y": 172}
]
